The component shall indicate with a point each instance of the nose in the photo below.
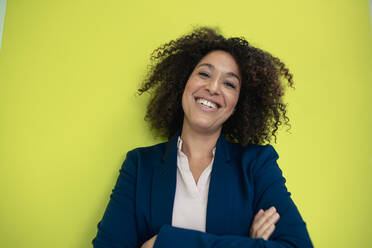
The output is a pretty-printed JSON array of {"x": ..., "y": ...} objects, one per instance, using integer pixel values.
[{"x": 213, "y": 86}]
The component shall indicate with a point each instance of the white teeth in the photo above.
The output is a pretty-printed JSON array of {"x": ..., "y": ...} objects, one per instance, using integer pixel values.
[{"x": 206, "y": 103}]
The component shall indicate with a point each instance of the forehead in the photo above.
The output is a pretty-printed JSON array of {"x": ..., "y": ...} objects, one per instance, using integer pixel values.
[{"x": 221, "y": 60}]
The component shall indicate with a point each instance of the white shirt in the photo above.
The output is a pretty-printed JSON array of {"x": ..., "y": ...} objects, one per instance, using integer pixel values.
[{"x": 190, "y": 200}]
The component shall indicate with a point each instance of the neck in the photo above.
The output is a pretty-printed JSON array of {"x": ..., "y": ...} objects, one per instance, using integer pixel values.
[{"x": 197, "y": 144}]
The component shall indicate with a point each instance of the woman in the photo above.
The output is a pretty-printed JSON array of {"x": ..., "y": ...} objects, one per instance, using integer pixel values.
[{"x": 214, "y": 183}]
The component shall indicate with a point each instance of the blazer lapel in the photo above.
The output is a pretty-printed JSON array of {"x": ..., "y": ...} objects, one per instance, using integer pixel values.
[
  {"x": 164, "y": 186},
  {"x": 219, "y": 196},
  {"x": 220, "y": 192}
]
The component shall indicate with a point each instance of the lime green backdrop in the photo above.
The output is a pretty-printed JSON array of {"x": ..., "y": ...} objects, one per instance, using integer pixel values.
[{"x": 69, "y": 71}]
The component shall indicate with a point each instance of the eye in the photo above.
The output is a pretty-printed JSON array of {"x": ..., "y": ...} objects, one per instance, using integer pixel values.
[
  {"x": 203, "y": 74},
  {"x": 229, "y": 84}
]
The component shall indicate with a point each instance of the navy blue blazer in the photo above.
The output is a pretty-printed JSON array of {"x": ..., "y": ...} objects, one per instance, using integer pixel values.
[{"x": 244, "y": 179}]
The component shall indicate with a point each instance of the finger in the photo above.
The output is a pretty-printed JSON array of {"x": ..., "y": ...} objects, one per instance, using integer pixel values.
[
  {"x": 269, "y": 222},
  {"x": 266, "y": 235},
  {"x": 260, "y": 220},
  {"x": 272, "y": 220},
  {"x": 258, "y": 215}
]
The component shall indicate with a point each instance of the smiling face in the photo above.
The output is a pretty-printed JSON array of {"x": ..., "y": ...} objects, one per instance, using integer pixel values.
[{"x": 211, "y": 92}]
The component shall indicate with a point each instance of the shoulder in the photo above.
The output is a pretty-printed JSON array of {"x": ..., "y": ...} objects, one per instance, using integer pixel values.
[
  {"x": 157, "y": 148},
  {"x": 260, "y": 152},
  {"x": 147, "y": 153},
  {"x": 253, "y": 157},
  {"x": 252, "y": 151}
]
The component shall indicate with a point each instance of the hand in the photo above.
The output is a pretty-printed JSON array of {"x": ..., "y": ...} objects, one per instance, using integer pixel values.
[
  {"x": 264, "y": 223},
  {"x": 149, "y": 243}
]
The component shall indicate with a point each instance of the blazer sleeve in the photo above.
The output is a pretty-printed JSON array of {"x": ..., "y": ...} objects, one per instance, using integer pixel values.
[
  {"x": 269, "y": 190},
  {"x": 118, "y": 225}
]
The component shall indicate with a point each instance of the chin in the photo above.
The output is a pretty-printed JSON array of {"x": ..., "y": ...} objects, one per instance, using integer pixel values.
[{"x": 205, "y": 126}]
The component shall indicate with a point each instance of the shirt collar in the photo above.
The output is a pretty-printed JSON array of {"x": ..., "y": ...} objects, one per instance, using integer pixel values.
[
  {"x": 179, "y": 146},
  {"x": 223, "y": 147}
]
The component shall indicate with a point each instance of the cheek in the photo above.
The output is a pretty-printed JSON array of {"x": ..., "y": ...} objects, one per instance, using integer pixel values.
[
  {"x": 190, "y": 88},
  {"x": 185, "y": 99},
  {"x": 233, "y": 99}
]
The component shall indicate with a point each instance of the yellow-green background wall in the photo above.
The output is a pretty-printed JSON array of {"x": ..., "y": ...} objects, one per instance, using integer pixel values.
[{"x": 69, "y": 71}]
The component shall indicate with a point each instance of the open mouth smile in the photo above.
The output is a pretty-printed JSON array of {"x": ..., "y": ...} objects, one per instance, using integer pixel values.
[{"x": 207, "y": 105}]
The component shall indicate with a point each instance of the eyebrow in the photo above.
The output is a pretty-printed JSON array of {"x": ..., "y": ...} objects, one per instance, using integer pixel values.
[{"x": 212, "y": 67}]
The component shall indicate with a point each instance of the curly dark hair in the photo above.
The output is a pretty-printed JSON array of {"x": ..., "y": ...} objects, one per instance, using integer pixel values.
[{"x": 259, "y": 111}]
